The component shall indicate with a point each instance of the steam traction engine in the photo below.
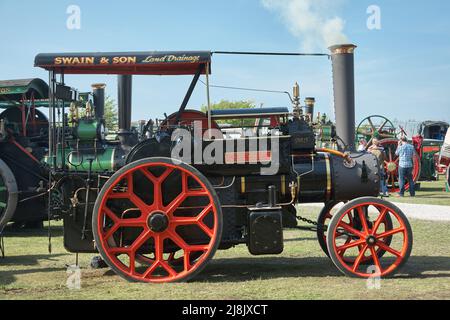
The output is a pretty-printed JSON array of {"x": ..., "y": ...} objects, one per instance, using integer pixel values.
[
  {"x": 23, "y": 143},
  {"x": 154, "y": 218}
]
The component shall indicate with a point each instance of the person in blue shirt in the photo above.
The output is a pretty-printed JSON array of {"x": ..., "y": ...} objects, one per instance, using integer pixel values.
[{"x": 405, "y": 152}]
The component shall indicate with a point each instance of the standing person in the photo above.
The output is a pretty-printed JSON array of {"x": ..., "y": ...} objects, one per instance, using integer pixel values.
[
  {"x": 378, "y": 151},
  {"x": 362, "y": 145},
  {"x": 405, "y": 152}
]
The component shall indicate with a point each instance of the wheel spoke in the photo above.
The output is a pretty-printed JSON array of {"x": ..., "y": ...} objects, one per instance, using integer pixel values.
[
  {"x": 184, "y": 182},
  {"x": 151, "y": 269},
  {"x": 383, "y": 125},
  {"x": 132, "y": 257},
  {"x": 376, "y": 260},
  {"x": 347, "y": 246},
  {"x": 139, "y": 203},
  {"x": 137, "y": 222},
  {"x": 140, "y": 240},
  {"x": 371, "y": 125},
  {"x": 169, "y": 210},
  {"x": 164, "y": 176},
  {"x": 119, "y": 250},
  {"x": 388, "y": 249},
  {"x": 389, "y": 233},
  {"x": 350, "y": 217},
  {"x": 168, "y": 268},
  {"x": 198, "y": 248},
  {"x": 110, "y": 232},
  {"x": 197, "y": 193},
  {"x": 178, "y": 240},
  {"x": 182, "y": 221},
  {"x": 379, "y": 220},
  {"x": 205, "y": 212},
  {"x": 187, "y": 262},
  {"x": 130, "y": 182},
  {"x": 159, "y": 247},
  {"x": 157, "y": 196},
  {"x": 352, "y": 230},
  {"x": 359, "y": 258},
  {"x": 207, "y": 230},
  {"x": 363, "y": 218}
]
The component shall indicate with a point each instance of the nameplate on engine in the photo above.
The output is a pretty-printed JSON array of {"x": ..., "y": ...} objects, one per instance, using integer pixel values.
[{"x": 248, "y": 157}]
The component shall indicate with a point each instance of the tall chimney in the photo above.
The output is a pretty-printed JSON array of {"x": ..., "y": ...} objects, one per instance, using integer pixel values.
[
  {"x": 98, "y": 90},
  {"x": 342, "y": 57},
  {"x": 124, "y": 90},
  {"x": 309, "y": 106}
]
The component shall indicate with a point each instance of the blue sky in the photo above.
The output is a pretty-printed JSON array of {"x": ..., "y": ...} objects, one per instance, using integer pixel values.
[{"x": 402, "y": 70}]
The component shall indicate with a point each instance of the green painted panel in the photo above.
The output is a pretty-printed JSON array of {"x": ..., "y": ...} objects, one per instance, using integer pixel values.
[
  {"x": 13, "y": 90},
  {"x": 103, "y": 160}
]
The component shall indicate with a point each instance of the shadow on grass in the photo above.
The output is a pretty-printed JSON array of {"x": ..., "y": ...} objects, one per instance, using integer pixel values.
[
  {"x": 9, "y": 276},
  {"x": 424, "y": 267},
  {"x": 300, "y": 239},
  {"x": 9, "y": 231},
  {"x": 246, "y": 269},
  {"x": 29, "y": 260}
]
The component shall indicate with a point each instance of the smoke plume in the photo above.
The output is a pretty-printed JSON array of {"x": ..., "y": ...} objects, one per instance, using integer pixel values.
[{"x": 311, "y": 21}]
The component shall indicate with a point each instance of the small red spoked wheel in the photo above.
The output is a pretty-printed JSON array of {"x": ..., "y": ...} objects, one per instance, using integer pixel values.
[
  {"x": 157, "y": 220},
  {"x": 346, "y": 242},
  {"x": 391, "y": 165},
  {"x": 323, "y": 222}
]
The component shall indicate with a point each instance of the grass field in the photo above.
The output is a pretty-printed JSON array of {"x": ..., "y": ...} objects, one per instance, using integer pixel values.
[
  {"x": 429, "y": 193},
  {"x": 301, "y": 272}
]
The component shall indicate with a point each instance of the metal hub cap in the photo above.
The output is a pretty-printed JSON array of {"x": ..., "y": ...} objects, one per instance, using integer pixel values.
[
  {"x": 391, "y": 167},
  {"x": 158, "y": 222},
  {"x": 371, "y": 240}
]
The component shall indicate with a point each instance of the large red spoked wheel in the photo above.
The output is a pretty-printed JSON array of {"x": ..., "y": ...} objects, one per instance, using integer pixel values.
[
  {"x": 157, "y": 220},
  {"x": 323, "y": 222},
  {"x": 348, "y": 247},
  {"x": 8, "y": 194},
  {"x": 391, "y": 165}
]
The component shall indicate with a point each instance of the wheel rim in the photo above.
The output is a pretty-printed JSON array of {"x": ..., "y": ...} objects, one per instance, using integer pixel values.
[
  {"x": 391, "y": 166},
  {"x": 323, "y": 222},
  {"x": 8, "y": 194},
  {"x": 152, "y": 229},
  {"x": 3, "y": 197},
  {"x": 364, "y": 243},
  {"x": 375, "y": 127}
]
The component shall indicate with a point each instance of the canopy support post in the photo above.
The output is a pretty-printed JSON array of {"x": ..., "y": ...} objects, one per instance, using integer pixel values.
[
  {"x": 208, "y": 98},
  {"x": 189, "y": 93}
]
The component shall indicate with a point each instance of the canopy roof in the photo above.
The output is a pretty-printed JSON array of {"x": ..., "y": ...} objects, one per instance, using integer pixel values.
[
  {"x": 435, "y": 123},
  {"x": 248, "y": 113},
  {"x": 143, "y": 63},
  {"x": 12, "y": 92},
  {"x": 18, "y": 87}
]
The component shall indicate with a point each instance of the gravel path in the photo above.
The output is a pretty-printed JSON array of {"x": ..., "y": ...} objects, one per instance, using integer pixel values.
[{"x": 413, "y": 211}]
